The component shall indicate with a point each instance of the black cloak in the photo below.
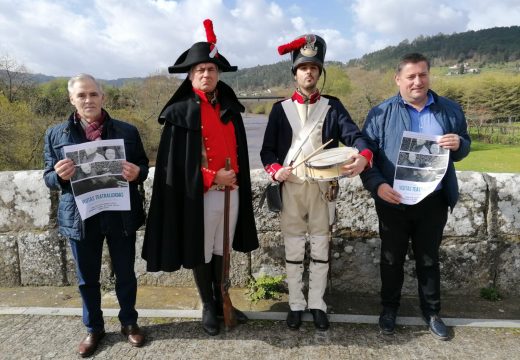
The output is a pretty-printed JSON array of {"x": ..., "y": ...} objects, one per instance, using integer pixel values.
[{"x": 174, "y": 234}]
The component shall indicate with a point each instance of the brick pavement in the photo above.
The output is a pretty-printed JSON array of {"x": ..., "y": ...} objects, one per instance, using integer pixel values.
[
  {"x": 56, "y": 337},
  {"x": 32, "y": 336}
]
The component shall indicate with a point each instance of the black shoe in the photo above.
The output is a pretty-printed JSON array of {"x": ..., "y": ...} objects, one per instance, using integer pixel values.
[
  {"x": 210, "y": 323},
  {"x": 321, "y": 322},
  {"x": 437, "y": 327},
  {"x": 294, "y": 319},
  {"x": 387, "y": 322},
  {"x": 240, "y": 316}
]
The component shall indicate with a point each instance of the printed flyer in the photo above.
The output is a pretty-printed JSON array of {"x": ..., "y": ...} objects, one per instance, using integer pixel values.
[
  {"x": 98, "y": 184},
  {"x": 421, "y": 166}
]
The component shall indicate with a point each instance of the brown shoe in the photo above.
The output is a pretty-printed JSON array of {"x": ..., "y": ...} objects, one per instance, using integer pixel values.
[
  {"x": 134, "y": 335},
  {"x": 89, "y": 344}
]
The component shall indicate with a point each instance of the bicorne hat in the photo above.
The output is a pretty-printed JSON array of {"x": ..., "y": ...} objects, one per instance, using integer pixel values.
[
  {"x": 308, "y": 48},
  {"x": 202, "y": 52}
]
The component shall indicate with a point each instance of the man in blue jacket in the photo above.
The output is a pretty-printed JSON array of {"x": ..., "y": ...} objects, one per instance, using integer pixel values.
[
  {"x": 91, "y": 122},
  {"x": 416, "y": 108}
]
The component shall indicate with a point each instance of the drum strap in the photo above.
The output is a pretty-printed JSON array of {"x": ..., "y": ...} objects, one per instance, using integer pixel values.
[{"x": 301, "y": 135}]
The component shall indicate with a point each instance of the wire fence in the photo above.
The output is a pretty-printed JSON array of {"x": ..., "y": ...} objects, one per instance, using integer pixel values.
[{"x": 496, "y": 134}]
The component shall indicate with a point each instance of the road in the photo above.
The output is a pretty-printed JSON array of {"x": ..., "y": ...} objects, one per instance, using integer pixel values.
[{"x": 255, "y": 127}]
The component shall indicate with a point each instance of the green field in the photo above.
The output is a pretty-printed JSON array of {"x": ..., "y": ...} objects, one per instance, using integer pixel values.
[{"x": 494, "y": 158}]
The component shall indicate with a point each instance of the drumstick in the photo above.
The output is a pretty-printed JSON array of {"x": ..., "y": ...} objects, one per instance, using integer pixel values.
[{"x": 312, "y": 154}]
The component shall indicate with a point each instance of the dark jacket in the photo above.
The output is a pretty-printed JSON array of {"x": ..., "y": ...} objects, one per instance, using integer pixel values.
[
  {"x": 71, "y": 133},
  {"x": 174, "y": 234},
  {"x": 385, "y": 124},
  {"x": 338, "y": 125}
]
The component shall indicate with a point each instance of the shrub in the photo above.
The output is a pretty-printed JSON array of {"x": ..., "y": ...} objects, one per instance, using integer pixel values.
[{"x": 266, "y": 287}]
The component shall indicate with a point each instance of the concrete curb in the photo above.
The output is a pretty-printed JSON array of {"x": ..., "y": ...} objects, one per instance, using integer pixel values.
[{"x": 268, "y": 315}]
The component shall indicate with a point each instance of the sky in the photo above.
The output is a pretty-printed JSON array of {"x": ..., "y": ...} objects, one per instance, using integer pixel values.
[{"x": 135, "y": 38}]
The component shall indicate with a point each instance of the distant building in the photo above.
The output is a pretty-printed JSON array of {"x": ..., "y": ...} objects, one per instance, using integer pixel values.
[{"x": 462, "y": 68}]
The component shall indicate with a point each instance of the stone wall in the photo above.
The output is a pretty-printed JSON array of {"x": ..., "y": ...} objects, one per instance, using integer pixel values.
[{"x": 481, "y": 245}]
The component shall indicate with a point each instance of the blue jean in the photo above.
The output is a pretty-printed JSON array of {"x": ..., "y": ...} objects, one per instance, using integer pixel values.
[{"x": 87, "y": 255}]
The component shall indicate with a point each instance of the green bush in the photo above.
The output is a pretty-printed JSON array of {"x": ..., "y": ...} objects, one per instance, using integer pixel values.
[
  {"x": 266, "y": 287},
  {"x": 490, "y": 293}
]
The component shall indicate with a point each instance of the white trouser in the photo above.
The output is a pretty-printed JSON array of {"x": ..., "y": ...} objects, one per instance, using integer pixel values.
[
  {"x": 318, "y": 269},
  {"x": 305, "y": 213},
  {"x": 214, "y": 222}
]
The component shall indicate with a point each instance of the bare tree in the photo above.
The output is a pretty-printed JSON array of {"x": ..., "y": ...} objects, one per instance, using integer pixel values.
[{"x": 13, "y": 77}]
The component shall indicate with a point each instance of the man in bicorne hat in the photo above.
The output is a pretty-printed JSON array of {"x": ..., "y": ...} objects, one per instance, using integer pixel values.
[
  {"x": 202, "y": 128},
  {"x": 297, "y": 126}
]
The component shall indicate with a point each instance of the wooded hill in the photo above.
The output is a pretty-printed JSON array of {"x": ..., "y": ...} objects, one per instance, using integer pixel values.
[
  {"x": 263, "y": 77},
  {"x": 495, "y": 45},
  {"x": 481, "y": 48}
]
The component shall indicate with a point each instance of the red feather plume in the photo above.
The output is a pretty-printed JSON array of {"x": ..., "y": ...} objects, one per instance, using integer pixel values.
[
  {"x": 210, "y": 35},
  {"x": 293, "y": 45}
]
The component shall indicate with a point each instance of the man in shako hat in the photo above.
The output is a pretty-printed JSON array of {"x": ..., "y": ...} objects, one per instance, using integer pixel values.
[
  {"x": 298, "y": 126},
  {"x": 202, "y": 127}
]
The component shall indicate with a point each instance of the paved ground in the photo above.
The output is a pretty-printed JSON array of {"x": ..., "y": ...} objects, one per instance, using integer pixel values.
[
  {"x": 56, "y": 337},
  {"x": 31, "y": 329},
  {"x": 255, "y": 128}
]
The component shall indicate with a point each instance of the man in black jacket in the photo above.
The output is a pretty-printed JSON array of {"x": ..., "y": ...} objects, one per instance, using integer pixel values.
[
  {"x": 202, "y": 128},
  {"x": 91, "y": 122}
]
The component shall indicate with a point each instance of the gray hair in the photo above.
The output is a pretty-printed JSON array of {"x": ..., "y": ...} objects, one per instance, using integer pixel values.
[{"x": 82, "y": 77}]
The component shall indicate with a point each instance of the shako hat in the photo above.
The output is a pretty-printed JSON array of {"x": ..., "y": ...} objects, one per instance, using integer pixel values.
[
  {"x": 308, "y": 48},
  {"x": 202, "y": 52}
]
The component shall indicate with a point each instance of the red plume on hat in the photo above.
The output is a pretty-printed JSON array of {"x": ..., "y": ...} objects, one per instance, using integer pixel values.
[
  {"x": 212, "y": 38},
  {"x": 210, "y": 34},
  {"x": 293, "y": 45}
]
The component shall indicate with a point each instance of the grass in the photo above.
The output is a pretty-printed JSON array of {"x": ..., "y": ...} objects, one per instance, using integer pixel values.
[
  {"x": 490, "y": 294},
  {"x": 494, "y": 158}
]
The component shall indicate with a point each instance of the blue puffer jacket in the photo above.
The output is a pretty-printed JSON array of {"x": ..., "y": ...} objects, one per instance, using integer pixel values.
[
  {"x": 70, "y": 133},
  {"x": 385, "y": 124}
]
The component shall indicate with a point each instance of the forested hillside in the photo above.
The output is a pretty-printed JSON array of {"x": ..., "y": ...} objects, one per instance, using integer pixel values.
[
  {"x": 263, "y": 77},
  {"x": 495, "y": 45}
]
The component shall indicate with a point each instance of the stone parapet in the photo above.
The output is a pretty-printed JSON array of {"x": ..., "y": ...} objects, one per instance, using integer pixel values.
[{"x": 481, "y": 244}]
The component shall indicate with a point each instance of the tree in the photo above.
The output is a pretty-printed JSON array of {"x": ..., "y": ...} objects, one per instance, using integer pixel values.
[
  {"x": 52, "y": 99},
  {"x": 14, "y": 77},
  {"x": 19, "y": 135}
]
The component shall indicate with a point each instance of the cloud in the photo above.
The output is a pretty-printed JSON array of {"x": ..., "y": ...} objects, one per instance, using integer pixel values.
[
  {"x": 483, "y": 14},
  {"x": 408, "y": 18},
  {"x": 116, "y": 38},
  {"x": 380, "y": 23},
  {"x": 134, "y": 38}
]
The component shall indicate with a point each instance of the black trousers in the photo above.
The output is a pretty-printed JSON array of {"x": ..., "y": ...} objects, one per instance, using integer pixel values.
[{"x": 423, "y": 223}]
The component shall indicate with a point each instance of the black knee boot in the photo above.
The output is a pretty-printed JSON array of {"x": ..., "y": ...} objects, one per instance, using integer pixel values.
[
  {"x": 217, "y": 263},
  {"x": 204, "y": 280}
]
